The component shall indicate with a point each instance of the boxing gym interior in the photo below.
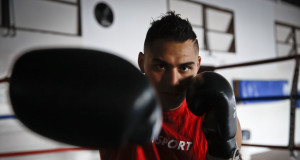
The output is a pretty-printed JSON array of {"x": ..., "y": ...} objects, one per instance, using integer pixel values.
[{"x": 254, "y": 44}]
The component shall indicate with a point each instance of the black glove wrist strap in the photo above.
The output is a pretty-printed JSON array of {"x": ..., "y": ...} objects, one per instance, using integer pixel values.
[
  {"x": 236, "y": 156},
  {"x": 221, "y": 148}
]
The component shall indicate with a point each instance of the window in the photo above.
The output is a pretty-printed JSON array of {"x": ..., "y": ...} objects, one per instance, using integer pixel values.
[
  {"x": 214, "y": 26},
  {"x": 53, "y": 16},
  {"x": 287, "y": 39}
]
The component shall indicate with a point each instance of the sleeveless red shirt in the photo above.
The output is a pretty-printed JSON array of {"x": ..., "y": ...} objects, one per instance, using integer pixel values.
[{"x": 181, "y": 138}]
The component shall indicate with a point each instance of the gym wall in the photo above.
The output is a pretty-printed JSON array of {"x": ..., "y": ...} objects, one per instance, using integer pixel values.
[{"x": 40, "y": 24}]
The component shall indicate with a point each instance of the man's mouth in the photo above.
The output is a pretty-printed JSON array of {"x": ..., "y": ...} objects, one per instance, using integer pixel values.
[{"x": 170, "y": 93}]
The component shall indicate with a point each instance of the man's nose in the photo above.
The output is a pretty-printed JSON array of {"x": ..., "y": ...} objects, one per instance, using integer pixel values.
[{"x": 174, "y": 77}]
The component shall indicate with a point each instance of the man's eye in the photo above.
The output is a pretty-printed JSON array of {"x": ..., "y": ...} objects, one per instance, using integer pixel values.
[
  {"x": 160, "y": 67},
  {"x": 184, "y": 68}
]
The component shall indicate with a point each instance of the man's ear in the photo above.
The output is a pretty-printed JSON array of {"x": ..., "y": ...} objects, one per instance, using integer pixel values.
[
  {"x": 198, "y": 63},
  {"x": 141, "y": 62}
]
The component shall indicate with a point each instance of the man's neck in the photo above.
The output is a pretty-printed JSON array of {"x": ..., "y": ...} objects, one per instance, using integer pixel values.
[{"x": 169, "y": 109}]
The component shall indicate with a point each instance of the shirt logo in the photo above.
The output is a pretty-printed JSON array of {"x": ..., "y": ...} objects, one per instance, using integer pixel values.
[{"x": 173, "y": 143}]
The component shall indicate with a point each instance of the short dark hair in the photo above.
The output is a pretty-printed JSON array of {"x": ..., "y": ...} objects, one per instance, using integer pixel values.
[{"x": 171, "y": 27}]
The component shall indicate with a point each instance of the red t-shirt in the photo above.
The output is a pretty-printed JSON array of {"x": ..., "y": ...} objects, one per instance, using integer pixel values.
[{"x": 181, "y": 137}]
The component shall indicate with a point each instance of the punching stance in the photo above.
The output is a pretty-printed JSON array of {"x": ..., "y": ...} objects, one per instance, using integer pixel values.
[
  {"x": 97, "y": 100},
  {"x": 197, "y": 130}
]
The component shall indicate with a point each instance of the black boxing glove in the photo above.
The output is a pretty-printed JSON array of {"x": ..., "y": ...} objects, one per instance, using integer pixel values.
[
  {"x": 84, "y": 97},
  {"x": 212, "y": 95}
]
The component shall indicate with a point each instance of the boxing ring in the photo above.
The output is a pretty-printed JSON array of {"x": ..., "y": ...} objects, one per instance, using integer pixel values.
[{"x": 292, "y": 97}]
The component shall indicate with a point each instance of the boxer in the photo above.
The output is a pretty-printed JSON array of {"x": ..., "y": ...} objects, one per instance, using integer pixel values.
[
  {"x": 170, "y": 61},
  {"x": 97, "y": 100}
]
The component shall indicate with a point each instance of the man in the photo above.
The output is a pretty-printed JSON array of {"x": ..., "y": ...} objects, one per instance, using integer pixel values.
[{"x": 170, "y": 60}]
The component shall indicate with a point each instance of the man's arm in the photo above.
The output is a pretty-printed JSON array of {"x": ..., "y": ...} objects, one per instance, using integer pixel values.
[{"x": 238, "y": 135}]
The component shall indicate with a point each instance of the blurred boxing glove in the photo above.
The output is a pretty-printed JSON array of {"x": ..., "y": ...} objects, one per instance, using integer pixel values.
[
  {"x": 83, "y": 97},
  {"x": 212, "y": 95}
]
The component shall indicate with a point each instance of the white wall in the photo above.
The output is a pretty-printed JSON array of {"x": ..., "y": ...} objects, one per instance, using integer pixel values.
[
  {"x": 29, "y": 14},
  {"x": 126, "y": 35},
  {"x": 253, "y": 29},
  {"x": 255, "y": 40},
  {"x": 287, "y": 13}
]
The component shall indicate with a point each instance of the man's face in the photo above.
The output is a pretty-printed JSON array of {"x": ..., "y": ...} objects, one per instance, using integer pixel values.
[{"x": 169, "y": 65}]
